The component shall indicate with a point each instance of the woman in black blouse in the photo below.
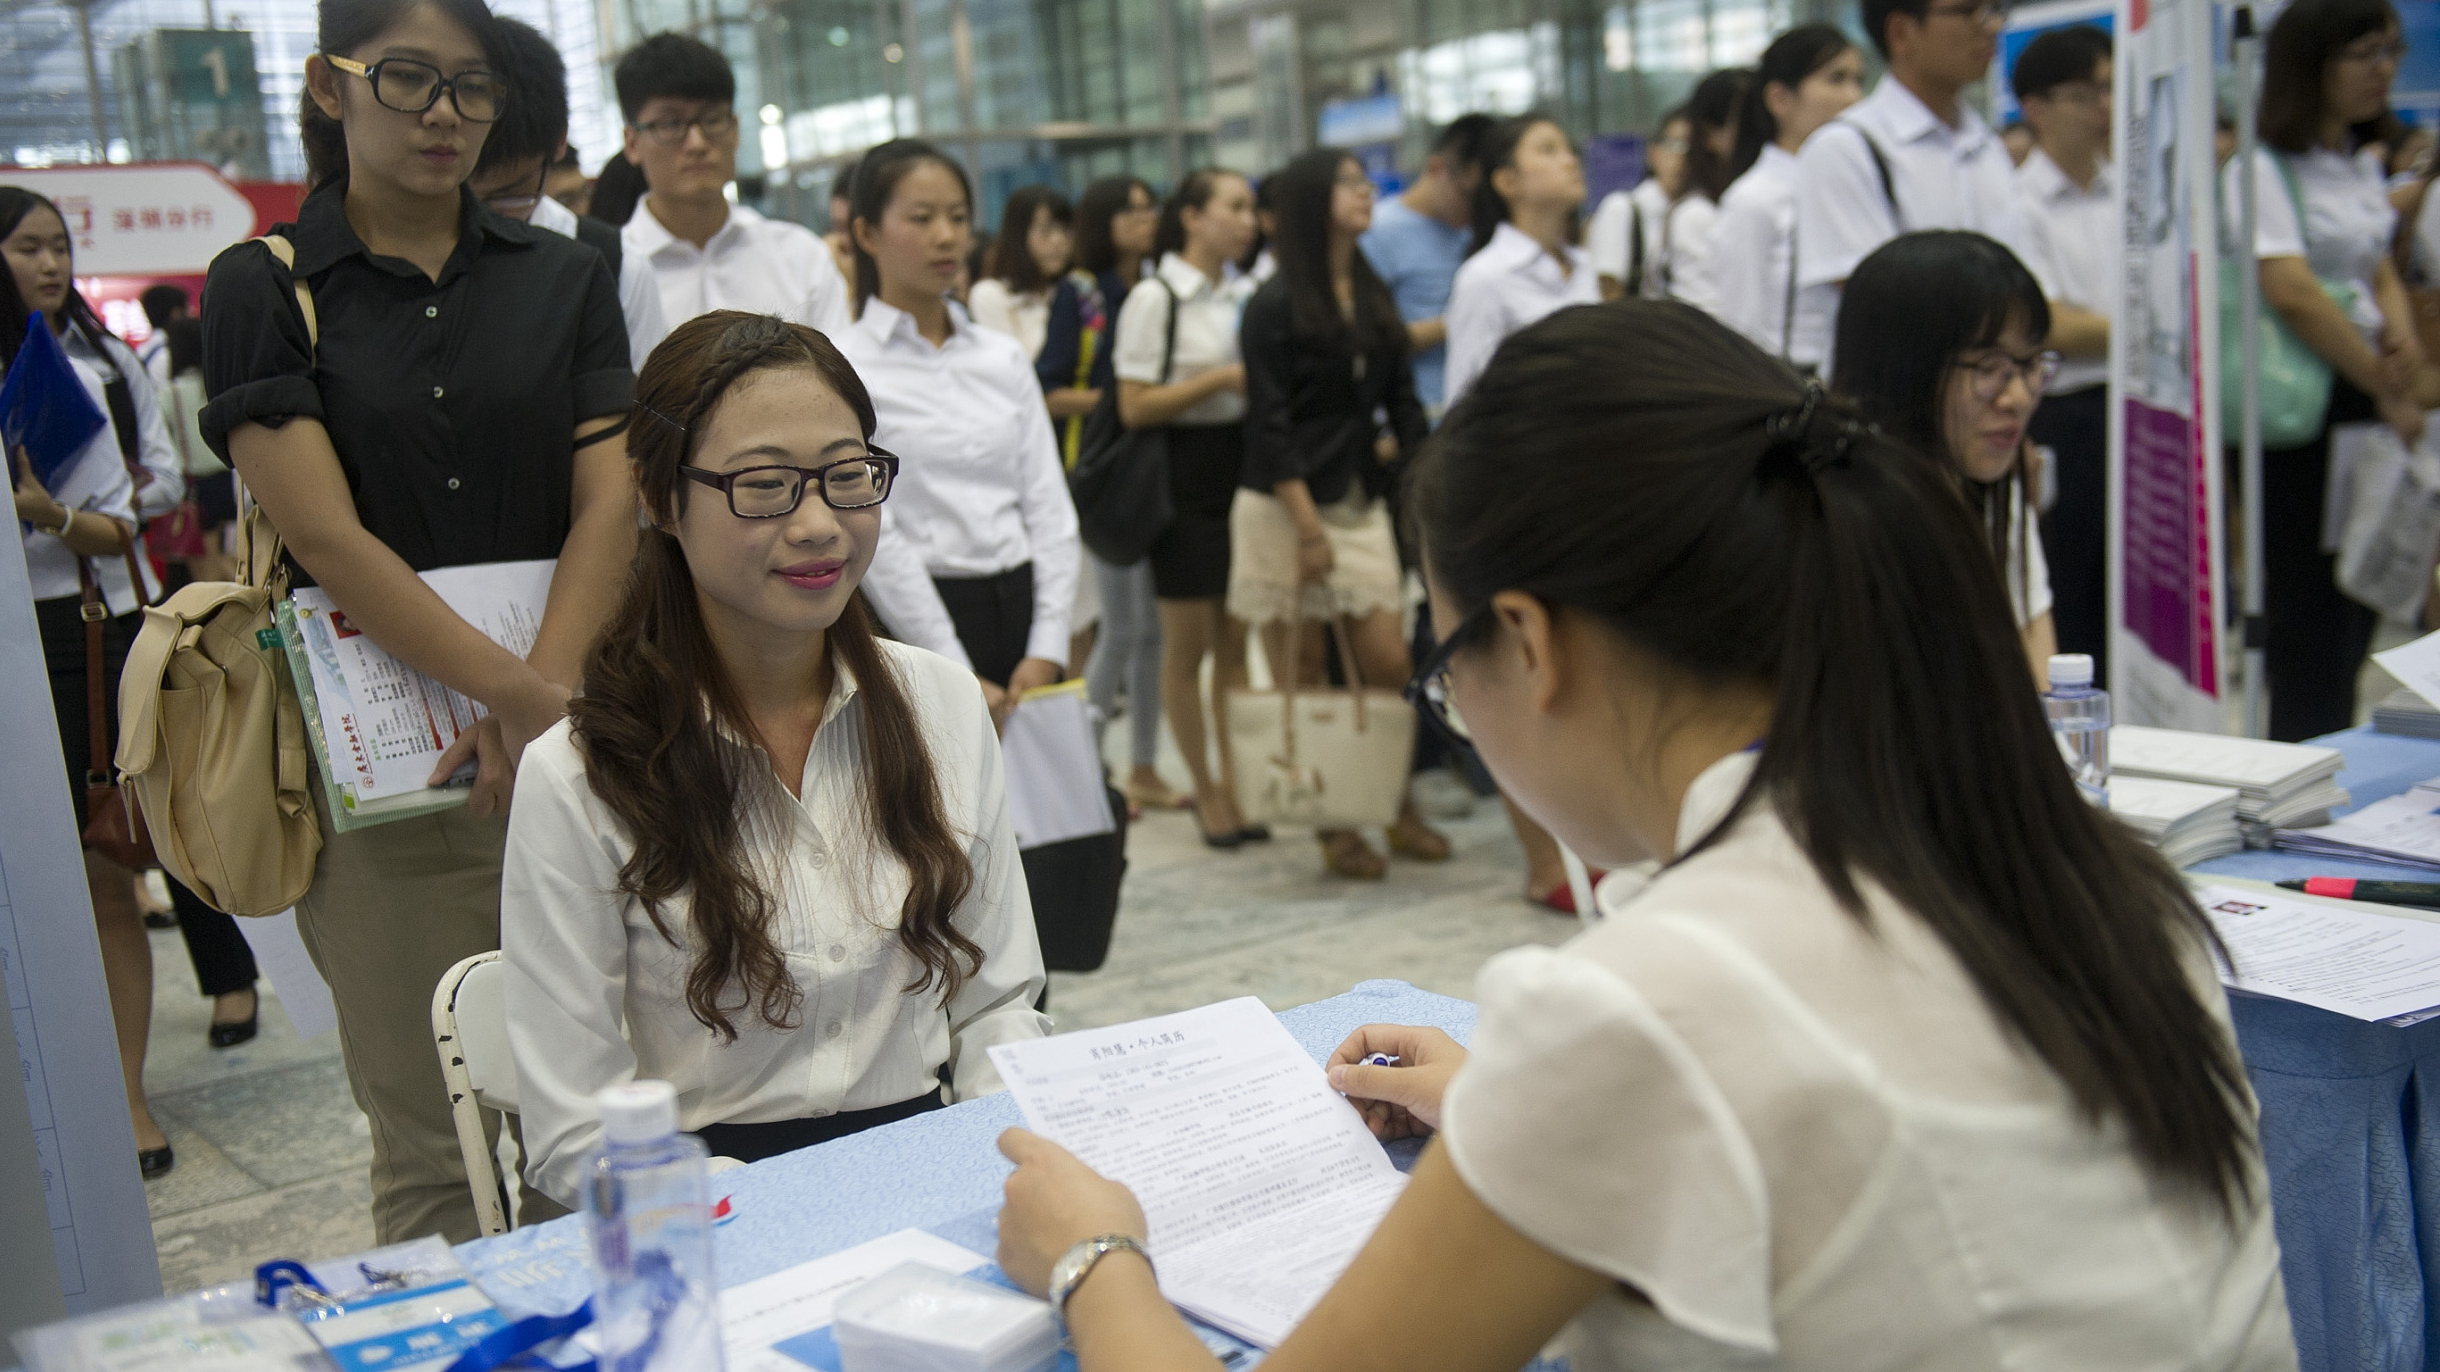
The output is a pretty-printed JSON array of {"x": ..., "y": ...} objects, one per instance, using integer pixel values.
[
  {"x": 1330, "y": 411},
  {"x": 463, "y": 405}
]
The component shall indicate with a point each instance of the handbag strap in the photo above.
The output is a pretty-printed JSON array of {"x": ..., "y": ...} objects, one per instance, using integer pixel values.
[{"x": 95, "y": 611}]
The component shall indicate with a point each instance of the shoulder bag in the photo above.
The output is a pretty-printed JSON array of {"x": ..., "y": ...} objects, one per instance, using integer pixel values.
[
  {"x": 212, "y": 738},
  {"x": 1334, "y": 758},
  {"x": 113, "y": 826},
  {"x": 1121, "y": 481},
  {"x": 2295, "y": 382}
]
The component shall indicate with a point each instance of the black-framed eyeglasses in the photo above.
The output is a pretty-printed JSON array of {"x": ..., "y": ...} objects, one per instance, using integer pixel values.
[
  {"x": 411, "y": 87},
  {"x": 1991, "y": 374},
  {"x": 669, "y": 133},
  {"x": 1428, "y": 690},
  {"x": 854, "y": 483},
  {"x": 1990, "y": 13}
]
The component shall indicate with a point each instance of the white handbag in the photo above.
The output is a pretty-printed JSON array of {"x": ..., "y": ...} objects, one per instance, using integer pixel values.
[{"x": 1322, "y": 756}]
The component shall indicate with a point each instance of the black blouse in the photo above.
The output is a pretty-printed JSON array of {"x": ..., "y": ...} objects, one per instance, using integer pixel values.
[
  {"x": 1310, "y": 412},
  {"x": 453, "y": 403}
]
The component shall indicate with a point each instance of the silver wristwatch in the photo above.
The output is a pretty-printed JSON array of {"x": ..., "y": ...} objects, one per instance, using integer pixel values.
[{"x": 1075, "y": 1264}]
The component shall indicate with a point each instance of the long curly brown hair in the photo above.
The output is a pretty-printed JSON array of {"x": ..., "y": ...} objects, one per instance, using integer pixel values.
[{"x": 656, "y": 703}]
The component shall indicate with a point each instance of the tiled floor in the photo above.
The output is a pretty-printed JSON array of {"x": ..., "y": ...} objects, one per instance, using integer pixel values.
[{"x": 272, "y": 1153}]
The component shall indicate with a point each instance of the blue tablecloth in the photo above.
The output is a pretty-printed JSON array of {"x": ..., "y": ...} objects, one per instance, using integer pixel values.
[
  {"x": 2355, "y": 1176},
  {"x": 939, "y": 1172}
]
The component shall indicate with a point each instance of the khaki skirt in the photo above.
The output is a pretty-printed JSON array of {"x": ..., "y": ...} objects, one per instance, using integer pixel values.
[{"x": 1364, "y": 571}]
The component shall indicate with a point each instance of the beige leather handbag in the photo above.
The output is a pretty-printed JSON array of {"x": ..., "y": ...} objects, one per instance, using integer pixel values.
[
  {"x": 212, "y": 739},
  {"x": 1331, "y": 758}
]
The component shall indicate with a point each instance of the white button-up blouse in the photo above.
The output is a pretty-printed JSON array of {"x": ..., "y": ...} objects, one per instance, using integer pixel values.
[{"x": 596, "y": 996}]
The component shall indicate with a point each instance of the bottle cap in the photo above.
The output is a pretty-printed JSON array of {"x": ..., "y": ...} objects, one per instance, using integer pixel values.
[
  {"x": 638, "y": 1111},
  {"x": 2071, "y": 669}
]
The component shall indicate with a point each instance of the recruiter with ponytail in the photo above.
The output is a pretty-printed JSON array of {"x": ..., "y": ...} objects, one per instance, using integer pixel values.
[
  {"x": 1907, "y": 1058},
  {"x": 460, "y": 399},
  {"x": 768, "y": 856}
]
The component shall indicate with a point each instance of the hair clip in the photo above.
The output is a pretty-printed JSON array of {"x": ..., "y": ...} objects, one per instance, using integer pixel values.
[{"x": 681, "y": 428}]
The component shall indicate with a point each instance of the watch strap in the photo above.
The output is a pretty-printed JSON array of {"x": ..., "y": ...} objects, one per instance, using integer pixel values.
[{"x": 1078, "y": 1263}]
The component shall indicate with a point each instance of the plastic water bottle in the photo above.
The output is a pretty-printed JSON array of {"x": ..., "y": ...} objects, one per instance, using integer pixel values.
[
  {"x": 2080, "y": 717},
  {"x": 656, "y": 1306}
]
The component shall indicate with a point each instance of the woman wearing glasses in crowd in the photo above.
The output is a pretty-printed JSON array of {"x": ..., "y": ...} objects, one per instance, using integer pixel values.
[
  {"x": 2322, "y": 236},
  {"x": 464, "y": 404},
  {"x": 800, "y": 903},
  {"x": 983, "y": 502},
  {"x": 1941, "y": 342},
  {"x": 1909, "y": 1059}
]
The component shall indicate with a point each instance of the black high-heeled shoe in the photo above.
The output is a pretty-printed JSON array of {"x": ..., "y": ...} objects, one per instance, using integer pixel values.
[
  {"x": 156, "y": 1162},
  {"x": 231, "y": 1035}
]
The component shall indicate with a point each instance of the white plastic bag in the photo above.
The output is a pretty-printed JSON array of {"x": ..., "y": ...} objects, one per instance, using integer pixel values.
[{"x": 2391, "y": 535}]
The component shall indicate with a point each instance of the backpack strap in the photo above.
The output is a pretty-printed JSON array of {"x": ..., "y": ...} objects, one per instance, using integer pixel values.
[
  {"x": 1169, "y": 340},
  {"x": 1880, "y": 164},
  {"x": 286, "y": 252},
  {"x": 1635, "y": 248}
]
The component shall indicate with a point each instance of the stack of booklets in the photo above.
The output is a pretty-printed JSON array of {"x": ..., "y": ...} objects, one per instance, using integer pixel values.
[
  {"x": 2404, "y": 829},
  {"x": 2278, "y": 785},
  {"x": 2405, "y": 712},
  {"x": 2187, "y": 822}
]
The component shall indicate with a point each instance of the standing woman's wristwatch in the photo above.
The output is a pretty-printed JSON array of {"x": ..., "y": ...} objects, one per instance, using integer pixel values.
[{"x": 1078, "y": 1262}]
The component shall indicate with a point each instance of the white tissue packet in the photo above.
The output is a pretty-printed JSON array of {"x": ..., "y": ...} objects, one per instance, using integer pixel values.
[{"x": 914, "y": 1318}]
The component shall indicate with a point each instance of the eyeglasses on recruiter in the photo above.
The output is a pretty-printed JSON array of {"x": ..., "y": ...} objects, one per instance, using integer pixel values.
[
  {"x": 669, "y": 133},
  {"x": 1429, "y": 691},
  {"x": 411, "y": 87},
  {"x": 854, "y": 483}
]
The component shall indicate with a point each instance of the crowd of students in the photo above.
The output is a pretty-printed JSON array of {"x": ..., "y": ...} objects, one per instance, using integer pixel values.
[{"x": 1743, "y": 568}]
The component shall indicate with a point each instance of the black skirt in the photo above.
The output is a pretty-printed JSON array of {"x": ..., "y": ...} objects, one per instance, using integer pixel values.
[{"x": 1190, "y": 558}]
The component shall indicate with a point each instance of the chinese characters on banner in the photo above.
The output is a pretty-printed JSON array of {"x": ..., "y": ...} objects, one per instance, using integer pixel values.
[
  {"x": 2165, "y": 510},
  {"x": 159, "y": 219}
]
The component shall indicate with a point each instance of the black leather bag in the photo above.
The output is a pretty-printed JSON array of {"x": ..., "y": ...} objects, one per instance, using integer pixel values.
[
  {"x": 1074, "y": 885},
  {"x": 1121, "y": 481}
]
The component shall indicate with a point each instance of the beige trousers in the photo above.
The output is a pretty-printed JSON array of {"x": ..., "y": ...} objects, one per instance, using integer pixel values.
[{"x": 392, "y": 908}]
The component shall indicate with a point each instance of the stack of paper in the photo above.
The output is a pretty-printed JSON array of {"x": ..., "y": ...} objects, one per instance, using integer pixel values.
[
  {"x": 1258, "y": 1181},
  {"x": 2403, "y": 829},
  {"x": 2187, "y": 822},
  {"x": 2406, "y": 712},
  {"x": 2282, "y": 785},
  {"x": 2367, "y": 962}
]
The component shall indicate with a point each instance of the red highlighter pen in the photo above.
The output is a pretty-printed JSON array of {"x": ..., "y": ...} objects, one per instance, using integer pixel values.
[{"x": 2422, "y": 895}]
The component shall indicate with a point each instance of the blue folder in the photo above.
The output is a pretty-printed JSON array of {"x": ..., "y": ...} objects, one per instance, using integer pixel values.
[{"x": 44, "y": 406}]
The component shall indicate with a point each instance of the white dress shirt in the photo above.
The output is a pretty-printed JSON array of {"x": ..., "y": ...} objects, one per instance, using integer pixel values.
[
  {"x": 1208, "y": 311},
  {"x": 639, "y": 294},
  {"x": 1024, "y": 316},
  {"x": 1941, "y": 177},
  {"x": 1796, "y": 1136},
  {"x": 2072, "y": 235},
  {"x": 1680, "y": 271},
  {"x": 768, "y": 266},
  {"x": 1511, "y": 283},
  {"x": 596, "y": 996},
  {"x": 2347, "y": 222},
  {"x": 1751, "y": 267},
  {"x": 97, "y": 481},
  {"x": 980, "y": 487}
]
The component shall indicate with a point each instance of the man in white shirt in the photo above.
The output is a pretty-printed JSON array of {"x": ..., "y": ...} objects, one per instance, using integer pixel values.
[
  {"x": 1911, "y": 156},
  {"x": 676, "y": 93},
  {"x": 2072, "y": 234},
  {"x": 516, "y": 165}
]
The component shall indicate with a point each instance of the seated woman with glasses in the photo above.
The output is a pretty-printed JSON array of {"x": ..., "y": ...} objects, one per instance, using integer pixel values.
[
  {"x": 768, "y": 856},
  {"x": 1940, "y": 342}
]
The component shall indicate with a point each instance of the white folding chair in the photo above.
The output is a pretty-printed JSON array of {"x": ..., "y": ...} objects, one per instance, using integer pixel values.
[{"x": 470, "y": 1027}]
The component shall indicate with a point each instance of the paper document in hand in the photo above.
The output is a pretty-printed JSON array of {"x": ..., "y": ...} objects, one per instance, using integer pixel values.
[
  {"x": 1258, "y": 1181},
  {"x": 2358, "y": 962},
  {"x": 382, "y": 725}
]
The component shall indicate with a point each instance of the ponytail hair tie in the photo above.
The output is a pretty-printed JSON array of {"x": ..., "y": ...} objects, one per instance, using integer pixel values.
[{"x": 1817, "y": 436}]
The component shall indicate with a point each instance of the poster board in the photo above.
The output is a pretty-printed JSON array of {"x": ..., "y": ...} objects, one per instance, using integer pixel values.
[{"x": 2166, "y": 559}]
